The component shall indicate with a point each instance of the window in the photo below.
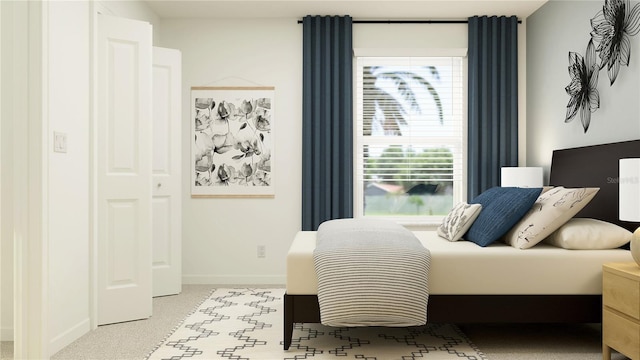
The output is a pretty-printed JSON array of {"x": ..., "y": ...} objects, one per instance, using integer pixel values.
[{"x": 409, "y": 137}]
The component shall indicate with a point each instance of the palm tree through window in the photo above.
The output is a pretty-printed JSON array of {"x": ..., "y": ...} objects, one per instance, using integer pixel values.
[{"x": 408, "y": 137}]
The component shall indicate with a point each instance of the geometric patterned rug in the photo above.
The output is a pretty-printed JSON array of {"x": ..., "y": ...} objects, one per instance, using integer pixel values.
[{"x": 248, "y": 324}]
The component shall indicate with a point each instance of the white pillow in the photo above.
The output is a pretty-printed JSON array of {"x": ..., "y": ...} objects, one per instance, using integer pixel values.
[
  {"x": 458, "y": 221},
  {"x": 589, "y": 234},
  {"x": 551, "y": 210}
]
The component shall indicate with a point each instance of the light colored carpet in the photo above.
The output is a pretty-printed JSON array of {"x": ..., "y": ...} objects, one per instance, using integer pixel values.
[
  {"x": 247, "y": 324},
  {"x": 135, "y": 340}
]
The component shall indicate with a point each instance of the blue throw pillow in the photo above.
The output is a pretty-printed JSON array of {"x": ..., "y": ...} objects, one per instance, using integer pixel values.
[{"x": 502, "y": 208}]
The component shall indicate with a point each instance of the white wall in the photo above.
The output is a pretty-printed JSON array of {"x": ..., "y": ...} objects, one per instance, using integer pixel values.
[
  {"x": 69, "y": 111},
  {"x": 221, "y": 235},
  {"x": 68, "y": 94},
  {"x": 3, "y": 251},
  {"x": 66, "y": 103},
  {"x": 555, "y": 29},
  {"x": 6, "y": 245},
  {"x": 409, "y": 39},
  {"x": 64, "y": 100}
]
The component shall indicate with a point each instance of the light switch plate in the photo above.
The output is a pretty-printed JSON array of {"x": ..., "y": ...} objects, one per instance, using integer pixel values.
[{"x": 59, "y": 142}]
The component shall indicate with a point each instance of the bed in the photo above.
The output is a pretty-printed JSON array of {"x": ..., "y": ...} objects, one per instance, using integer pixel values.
[{"x": 500, "y": 283}]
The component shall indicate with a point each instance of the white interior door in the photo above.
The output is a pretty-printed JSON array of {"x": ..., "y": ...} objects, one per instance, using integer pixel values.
[
  {"x": 123, "y": 173},
  {"x": 167, "y": 204}
]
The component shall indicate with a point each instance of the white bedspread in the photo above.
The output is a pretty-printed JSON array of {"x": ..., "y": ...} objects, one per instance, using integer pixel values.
[
  {"x": 459, "y": 268},
  {"x": 370, "y": 273}
]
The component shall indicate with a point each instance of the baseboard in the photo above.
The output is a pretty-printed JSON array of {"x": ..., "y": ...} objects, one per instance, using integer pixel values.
[
  {"x": 67, "y": 337},
  {"x": 6, "y": 334},
  {"x": 239, "y": 280}
]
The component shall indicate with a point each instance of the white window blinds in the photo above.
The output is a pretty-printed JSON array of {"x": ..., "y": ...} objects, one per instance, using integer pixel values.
[{"x": 409, "y": 136}]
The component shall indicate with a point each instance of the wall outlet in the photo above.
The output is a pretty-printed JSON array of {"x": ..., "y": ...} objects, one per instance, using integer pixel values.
[{"x": 262, "y": 251}]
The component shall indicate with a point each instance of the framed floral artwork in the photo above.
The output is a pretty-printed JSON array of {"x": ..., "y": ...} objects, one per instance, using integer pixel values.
[{"x": 232, "y": 141}]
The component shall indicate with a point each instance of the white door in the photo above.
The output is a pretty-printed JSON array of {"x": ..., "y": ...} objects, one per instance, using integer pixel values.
[
  {"x": 167, "y": 205},
  {"x": 123, "y": 169}
]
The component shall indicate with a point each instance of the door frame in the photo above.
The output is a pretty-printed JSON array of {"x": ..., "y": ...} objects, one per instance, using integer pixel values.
[
  {"x": 95, "y": 8},
  {"x": 93, "y": 171},
  {"x": 166, "y": 277},
  {"x": 30, "y": 217}
]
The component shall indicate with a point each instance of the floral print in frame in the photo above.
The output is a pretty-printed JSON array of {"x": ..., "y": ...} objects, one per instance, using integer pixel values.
[{"x": 232, "y": 141}]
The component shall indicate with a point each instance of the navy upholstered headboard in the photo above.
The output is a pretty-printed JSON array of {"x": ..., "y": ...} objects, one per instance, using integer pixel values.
[{"x": 595, "y": 166}]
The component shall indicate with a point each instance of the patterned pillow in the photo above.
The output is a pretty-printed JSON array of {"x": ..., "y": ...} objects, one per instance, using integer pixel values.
[
  {"x": 550, "y": 211},
  {"x": 502, "y": 207},
  {"x": 458, "y": 221}
]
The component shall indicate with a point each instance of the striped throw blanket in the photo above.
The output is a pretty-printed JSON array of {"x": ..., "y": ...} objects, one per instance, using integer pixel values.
[{"x": 370, "y": 273}]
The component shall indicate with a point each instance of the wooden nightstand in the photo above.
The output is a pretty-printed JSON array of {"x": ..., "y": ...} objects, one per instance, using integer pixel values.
[{"x": 621, "y": 309}]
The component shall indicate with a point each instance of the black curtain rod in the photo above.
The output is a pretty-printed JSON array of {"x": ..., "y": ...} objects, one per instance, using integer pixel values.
[{"x": 410, "y": 21}]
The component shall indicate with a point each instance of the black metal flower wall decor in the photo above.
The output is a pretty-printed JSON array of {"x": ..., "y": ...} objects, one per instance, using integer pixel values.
[
  {"x": 612, "y": 27},
  {"x": 611, "y": 31},
  {"x": 583, "y": 87}
]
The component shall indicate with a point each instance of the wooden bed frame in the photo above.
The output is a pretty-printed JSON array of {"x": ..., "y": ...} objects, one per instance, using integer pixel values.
[{"x": 589, "y": 166}]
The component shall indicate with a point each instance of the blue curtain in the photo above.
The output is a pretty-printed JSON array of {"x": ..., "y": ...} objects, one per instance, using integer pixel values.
[
  {"x": 492, "y": 99},
  {"x": 327, "y": 120}
]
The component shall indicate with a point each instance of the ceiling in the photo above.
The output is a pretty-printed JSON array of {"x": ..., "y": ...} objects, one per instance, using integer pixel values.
[{"x": 358, "y": 9}]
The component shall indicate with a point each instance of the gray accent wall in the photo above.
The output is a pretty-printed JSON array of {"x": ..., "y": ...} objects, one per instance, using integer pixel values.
[{"x": 555, "y": 29}]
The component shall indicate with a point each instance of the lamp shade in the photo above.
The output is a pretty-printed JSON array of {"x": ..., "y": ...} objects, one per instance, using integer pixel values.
[
  {"x": 629, "y": 182},
  {"x": 521, "y": 177}
]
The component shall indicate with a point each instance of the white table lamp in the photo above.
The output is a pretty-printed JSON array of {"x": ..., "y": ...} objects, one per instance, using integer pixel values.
[
  {"x": 629, "y": 192},
  {"x": 528, "y": 177}
]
